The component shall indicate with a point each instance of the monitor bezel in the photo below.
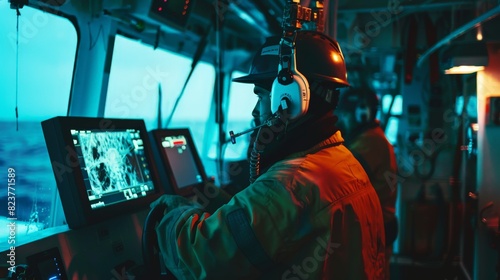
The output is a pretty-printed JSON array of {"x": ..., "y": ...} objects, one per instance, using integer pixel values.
[
  {"x": 68, "y": 173},
  {"x": 53, "y": 255},
  {"x": 158, "y": 135}
]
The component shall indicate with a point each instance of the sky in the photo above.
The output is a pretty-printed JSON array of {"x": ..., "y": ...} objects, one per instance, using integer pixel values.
[{"x": 46, "y": 55}]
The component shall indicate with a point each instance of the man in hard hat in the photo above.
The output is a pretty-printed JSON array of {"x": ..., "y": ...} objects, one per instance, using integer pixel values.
[
  {"x": 310, "y": 211},
  {"x": 357, "y": 110}
]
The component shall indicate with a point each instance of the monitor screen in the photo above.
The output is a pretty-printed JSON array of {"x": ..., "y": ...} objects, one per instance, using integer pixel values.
[
  {"x": 103, "y": 167},
  {"x": 47, "y": 265},
  {"x": 180, "y": 160},
  {"x": 113, "y": 165}
]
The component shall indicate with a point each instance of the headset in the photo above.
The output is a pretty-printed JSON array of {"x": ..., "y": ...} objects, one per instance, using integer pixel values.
[
  {"x": 290, "y": 90},
  {"x": 363, "y": 113},
  {"x": 362, "y": 102}
]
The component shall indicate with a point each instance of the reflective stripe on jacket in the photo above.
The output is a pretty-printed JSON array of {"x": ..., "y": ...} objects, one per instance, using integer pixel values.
[{"x": 313, "y": 215}]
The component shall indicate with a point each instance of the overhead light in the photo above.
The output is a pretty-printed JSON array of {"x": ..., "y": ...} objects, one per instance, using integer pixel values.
[{"x": 464, "y": 57}]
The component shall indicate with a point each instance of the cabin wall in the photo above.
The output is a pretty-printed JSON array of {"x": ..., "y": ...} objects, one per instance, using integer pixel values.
[
  {"x": 488, "y": 174},
  {"x": 427, "y": 137}
]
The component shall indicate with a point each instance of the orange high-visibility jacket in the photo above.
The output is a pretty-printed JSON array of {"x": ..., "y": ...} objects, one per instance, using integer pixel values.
[
  {"x": 379, "y": 157},
  {"x": 313, "y": 215}
]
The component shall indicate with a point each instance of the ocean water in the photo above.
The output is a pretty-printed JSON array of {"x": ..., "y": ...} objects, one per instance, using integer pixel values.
[{"x": 23, "y": 149}]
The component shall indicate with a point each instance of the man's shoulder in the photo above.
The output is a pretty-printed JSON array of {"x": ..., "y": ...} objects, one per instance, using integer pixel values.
[
  {"x": 317, "y": 173},
  {"x": 331, "y": 161},
  {"x": 372, "y": 137}
]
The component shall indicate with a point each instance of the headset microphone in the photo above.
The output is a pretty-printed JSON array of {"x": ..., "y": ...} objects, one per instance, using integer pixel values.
[
  {"x": 276, "y": 119},
  {"x": 232, "y": 136}
]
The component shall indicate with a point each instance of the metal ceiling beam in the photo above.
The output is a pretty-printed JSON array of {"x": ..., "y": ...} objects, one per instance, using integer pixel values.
[
  {"x": 457, "y": 32},
  {"x": 409, "y": 8}
]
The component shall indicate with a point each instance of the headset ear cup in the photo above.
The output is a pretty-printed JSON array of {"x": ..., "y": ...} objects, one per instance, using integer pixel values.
[
  {"x": 290, "y": 85},
  {"x": 362, "y": 114},
  {"x": 296, "y": 93}
]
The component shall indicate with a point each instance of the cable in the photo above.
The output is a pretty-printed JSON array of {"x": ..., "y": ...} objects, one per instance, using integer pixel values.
[
  {"x": 99, "y": 31},
  {"x": 17, "y": 66},
  {"x": 255, "y": 158}
]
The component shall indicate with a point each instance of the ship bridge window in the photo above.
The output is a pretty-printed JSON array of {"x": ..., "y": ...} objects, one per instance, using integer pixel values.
[
  {"x": 147, "y": 84},
  {"x": 392, "y": 108},
  {"x": 35, "y": 77},
  {"x": 242, "y": 101}
]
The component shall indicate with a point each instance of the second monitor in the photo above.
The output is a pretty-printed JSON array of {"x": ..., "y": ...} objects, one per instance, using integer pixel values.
[{"x": 180, "y": 160}]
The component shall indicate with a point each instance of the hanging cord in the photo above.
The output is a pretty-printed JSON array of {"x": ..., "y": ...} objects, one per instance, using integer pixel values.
[
  {"x": 18, "y": 14},
  {"x": 273, "y": 129},
  {"x": 93, "y": 43},
  {"x": 254, "y": 164},
  {"x": 17, "y": 4}
]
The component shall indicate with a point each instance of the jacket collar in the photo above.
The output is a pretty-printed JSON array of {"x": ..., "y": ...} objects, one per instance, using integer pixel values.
[{"x": 334, "y": 140}]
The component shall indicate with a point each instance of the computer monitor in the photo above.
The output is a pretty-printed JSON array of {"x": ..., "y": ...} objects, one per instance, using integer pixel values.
[
  {"x": 47, "y": 265},
  {"x": 103, "y": 167},
  {"x": 179, "y": 160}
]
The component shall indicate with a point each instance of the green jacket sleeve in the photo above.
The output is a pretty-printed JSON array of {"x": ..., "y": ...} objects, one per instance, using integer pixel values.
[{"x": 230, "y": 242}]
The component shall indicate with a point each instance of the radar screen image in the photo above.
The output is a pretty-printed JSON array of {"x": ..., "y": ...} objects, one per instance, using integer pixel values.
[{"x": 113, "y": 165}]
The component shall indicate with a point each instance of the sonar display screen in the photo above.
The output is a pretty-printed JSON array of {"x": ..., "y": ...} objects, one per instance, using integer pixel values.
[{"x": 113, "y": 165}]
